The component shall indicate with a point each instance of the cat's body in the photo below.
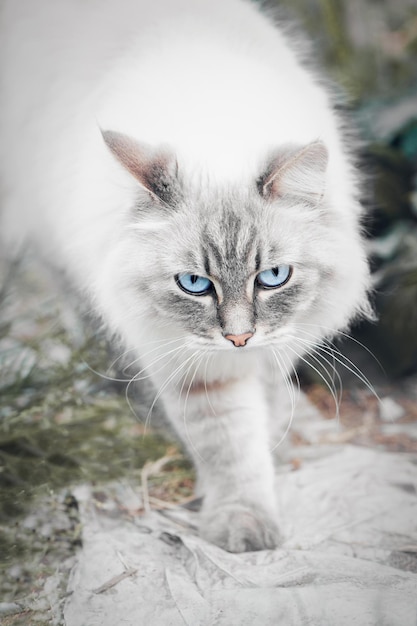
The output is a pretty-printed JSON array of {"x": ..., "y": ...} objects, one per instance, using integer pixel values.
[{"x": 171, "y": 156}]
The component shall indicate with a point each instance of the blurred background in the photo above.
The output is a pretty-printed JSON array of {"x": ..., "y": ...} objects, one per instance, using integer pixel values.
[{"x": 63, "y": 420}]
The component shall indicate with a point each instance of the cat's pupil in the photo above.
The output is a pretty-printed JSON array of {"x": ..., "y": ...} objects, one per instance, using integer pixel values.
[
  {"x": 194, "y": 278},
  {"x": 275, "y": 271}
]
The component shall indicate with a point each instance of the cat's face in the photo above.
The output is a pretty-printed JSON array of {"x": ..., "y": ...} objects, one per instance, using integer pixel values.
[{"x": 245, "y": 266}]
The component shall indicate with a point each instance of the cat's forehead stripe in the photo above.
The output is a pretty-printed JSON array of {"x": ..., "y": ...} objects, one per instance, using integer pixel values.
[{"x": 234, "y": 245}]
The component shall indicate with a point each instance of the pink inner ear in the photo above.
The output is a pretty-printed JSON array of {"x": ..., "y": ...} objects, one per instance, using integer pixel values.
[
  {"x": 298, "y": 172},
  {"x": 153, "y": 169},
  {"x": 128, "y": 152}
]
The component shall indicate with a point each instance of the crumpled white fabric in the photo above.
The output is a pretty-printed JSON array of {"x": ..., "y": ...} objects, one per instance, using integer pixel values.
[{"x": 349, "y": 557}]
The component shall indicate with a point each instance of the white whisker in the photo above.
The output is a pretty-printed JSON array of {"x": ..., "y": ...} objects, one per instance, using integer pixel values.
[
  {"x": 155, "y": 349},
  {"x": 344, "y": 361},
  {"x": 112, "y": 379},
  {"x": 166, "y": 383},
  {"x": 329, "y": 380},
  {"x": 290, "y": 389},
  {"x": 329, "y": 386},
  {"x": 198, "y": 358},
  {"x": 210, "y": 356},
  {"x": 172, "y": 354},
  {"x": 335, "y": 332}
]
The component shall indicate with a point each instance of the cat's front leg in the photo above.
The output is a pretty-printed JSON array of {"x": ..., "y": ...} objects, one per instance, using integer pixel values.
[{"x": 224, "y": 425}]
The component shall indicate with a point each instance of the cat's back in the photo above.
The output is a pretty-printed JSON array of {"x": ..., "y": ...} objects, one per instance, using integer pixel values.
[
  {"x": 214, "y": 79},
  {"x": 176, "y": 71}
]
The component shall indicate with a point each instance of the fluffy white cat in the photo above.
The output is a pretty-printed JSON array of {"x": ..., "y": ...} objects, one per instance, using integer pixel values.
[{"x": 189, "y": 174}]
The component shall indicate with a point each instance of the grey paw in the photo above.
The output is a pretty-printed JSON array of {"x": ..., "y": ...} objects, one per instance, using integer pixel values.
[{"x": 239, "y": 528}]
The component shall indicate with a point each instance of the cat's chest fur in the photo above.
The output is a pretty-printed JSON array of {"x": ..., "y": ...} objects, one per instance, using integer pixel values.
[{"x": 188, "y": 172}]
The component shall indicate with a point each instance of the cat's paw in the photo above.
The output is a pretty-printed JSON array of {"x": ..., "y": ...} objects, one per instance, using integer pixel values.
[{"x": 239, "y": 528}]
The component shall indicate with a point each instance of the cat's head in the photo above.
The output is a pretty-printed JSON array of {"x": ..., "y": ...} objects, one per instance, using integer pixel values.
[{"x": 251, "y": 264}]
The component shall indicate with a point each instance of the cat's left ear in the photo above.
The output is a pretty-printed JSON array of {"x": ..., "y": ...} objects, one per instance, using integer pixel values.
[
  {"x": 154, "y": 169},
  {"x": 296, "y": 172}
]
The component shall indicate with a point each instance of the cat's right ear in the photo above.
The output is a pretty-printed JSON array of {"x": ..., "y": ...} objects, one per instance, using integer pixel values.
[
  {"x": 298, "y": 172},
  {"x": 155, "y": 170}
]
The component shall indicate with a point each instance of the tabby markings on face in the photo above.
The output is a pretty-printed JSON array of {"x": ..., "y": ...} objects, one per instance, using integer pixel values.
[{"x": 203, "y": 286}]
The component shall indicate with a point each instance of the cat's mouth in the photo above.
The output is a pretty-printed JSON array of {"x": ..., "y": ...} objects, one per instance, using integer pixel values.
[
  {"x": 217, "y": 340},
  {"x": 239, "y": 343}
]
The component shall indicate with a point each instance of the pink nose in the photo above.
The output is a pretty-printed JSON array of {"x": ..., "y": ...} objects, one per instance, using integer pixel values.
[{"x": 239, "y": 340}]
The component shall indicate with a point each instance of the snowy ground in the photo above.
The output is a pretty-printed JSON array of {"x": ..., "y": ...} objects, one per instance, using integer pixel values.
[{"x": 349, "y": 555}]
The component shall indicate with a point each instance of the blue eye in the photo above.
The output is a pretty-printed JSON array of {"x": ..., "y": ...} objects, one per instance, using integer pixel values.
[
  {"x": 193, "y": 284},
  {"x": 275, "y": 277}
]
